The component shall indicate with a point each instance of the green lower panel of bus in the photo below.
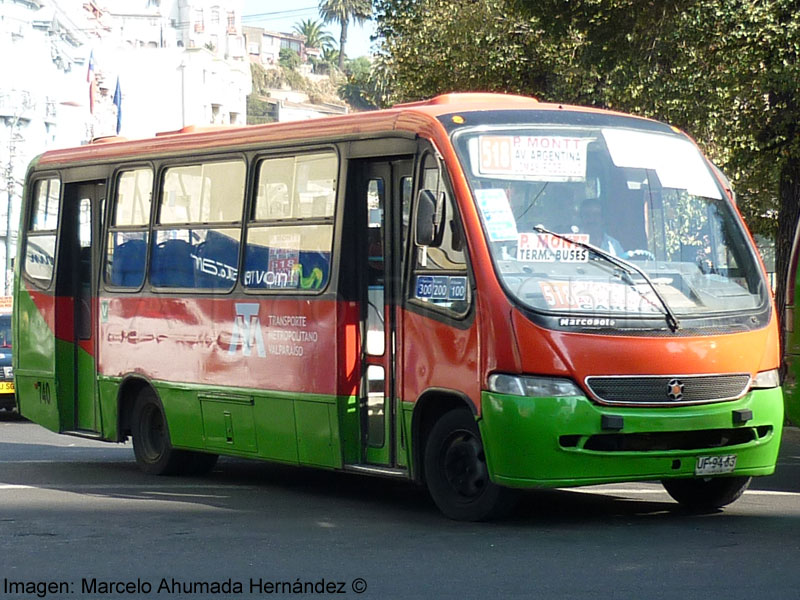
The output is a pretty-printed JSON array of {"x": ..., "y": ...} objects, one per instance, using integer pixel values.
[
  {"x": 559, "y": 442},
  {"x": 309, "y": 429},
  {"x": 791, "y": 385}
]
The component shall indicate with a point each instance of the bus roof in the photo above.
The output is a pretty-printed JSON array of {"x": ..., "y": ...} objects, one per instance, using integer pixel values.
[{"x": 410, "y": 117}]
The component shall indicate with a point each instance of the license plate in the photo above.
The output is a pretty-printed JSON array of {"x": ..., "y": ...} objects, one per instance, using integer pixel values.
[
  {"x": 715, "y": 465},
  {"x": 6, "y": 387}
]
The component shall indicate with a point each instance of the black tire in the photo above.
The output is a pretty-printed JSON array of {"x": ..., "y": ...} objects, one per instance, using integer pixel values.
[
  {"x": 456, "y": 472},
  {"x": 707, "y": 493},
  {"x": 151, "y": 443}
]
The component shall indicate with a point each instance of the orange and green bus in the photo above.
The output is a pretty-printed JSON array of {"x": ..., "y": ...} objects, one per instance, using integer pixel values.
[{"x": 478, "y": 293}]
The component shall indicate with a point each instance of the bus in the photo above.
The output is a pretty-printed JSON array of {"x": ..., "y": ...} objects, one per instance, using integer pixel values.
[
  {"x": 480, "y": 293},
  {"x": 791, "y": 335}
]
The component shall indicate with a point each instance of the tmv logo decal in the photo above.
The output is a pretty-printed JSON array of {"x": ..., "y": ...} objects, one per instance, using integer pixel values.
[{"x": 247, "y": 330}]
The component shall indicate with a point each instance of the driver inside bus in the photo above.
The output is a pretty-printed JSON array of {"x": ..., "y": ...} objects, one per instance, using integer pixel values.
[{"x": 593, "y": 222}]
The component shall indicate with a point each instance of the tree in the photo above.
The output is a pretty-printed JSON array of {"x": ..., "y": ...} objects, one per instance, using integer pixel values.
[
  {"x": 433, "y": 46},
  {"x": 289, "y": 59},
  {"x": 343, "y": 12},
  {"x": 316, "y": 36},
  {"x": 359, "y": 89}
]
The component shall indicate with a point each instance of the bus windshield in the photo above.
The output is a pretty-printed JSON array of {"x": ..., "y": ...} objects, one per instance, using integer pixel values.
[{"x": 647, "y": 198}]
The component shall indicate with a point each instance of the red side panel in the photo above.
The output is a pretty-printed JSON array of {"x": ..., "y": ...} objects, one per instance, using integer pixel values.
[
  {"x": 438, "y": 355},
  {"x": 276, "y": 344}
]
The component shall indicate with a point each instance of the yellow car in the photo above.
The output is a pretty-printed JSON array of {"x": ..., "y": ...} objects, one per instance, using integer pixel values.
[{"x": 7, "y": 398}]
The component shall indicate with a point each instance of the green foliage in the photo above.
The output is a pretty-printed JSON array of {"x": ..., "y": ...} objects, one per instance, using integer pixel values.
[
  {"x": 258, "y": 111},
  {"x": 326, "y": 64},
  {"x": 289, "y": 59},
  {"x": 357, "y": 90},
  {"x": 359, "y": 67},
  {"x": 315, "y": 34},
  {"x": 344, "y": 12},
  {"x": 432, "y": 46}
]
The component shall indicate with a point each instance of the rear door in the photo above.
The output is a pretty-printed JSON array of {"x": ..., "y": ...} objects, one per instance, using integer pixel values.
[{"x": 76, "y": 294}]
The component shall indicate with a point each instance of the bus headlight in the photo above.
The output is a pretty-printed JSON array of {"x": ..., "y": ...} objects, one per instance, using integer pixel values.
[
  {"x": 534, "y": 387},
  {"x": 766, "y": 380}
]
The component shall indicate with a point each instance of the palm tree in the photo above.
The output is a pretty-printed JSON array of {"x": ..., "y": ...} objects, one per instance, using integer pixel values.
[
  {"x": 342, "y": 12},
  {"x": 316, "y": 36}
]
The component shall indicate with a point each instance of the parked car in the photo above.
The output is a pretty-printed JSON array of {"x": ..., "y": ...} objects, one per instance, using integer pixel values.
[{"x": 7, "y": 397}]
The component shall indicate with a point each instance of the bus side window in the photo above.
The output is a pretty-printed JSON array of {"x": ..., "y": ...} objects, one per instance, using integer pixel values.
[
  {"x": 198, "y": 233},
  {"x": 127, "y": 236},
  {"x": 290, "y": 230},
  {"x": 40, "y": 243},
  {"x": 440, "y": 274}
]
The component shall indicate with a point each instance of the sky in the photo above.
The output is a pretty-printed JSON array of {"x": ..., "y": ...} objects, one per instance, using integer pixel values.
[{"x": 273, "y": 15}]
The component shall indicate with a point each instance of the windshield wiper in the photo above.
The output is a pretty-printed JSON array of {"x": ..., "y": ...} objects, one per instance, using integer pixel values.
[{"x": 626, "y": 267}]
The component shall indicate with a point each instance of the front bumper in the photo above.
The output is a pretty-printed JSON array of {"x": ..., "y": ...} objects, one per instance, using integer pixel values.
[{"x": 560, "y": 442}]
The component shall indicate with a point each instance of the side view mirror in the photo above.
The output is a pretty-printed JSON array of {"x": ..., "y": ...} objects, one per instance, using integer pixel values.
[{"x": 430, "y": 218}]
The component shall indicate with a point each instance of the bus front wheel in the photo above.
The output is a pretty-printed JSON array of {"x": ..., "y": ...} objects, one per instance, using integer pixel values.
[
  {"x": 456, "y": 472},
  {"x": 151, "y": 445},
  {"x": 706, "y": 493}
]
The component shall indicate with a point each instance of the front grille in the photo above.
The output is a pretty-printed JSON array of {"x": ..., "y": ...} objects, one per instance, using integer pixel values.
[
  {"x": 668, "y": 389},
  {"x": 671, "y": 440}
]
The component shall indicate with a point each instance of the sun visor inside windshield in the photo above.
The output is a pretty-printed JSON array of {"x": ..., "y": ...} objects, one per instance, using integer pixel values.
[{"x": 676, "y": 161}]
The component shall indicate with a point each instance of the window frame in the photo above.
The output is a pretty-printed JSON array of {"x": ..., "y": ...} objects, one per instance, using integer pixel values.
[
  {"x": 29, "y": 233},
  {"x": 112, "y": 228},
  {"x": 456, "y": 318},
  {"x": 331, "y": 221},
  {"x": 155, "y": 226}
]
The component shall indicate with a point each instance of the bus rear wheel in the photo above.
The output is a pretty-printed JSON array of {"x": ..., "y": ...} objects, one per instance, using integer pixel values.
[
  {"x": 151, "y": 444},
  {"x": 456, "y": 472},
  {"x": 706, "y": 493}
]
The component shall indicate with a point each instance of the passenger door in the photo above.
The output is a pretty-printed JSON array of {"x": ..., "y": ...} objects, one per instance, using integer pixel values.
[
  {"x": 76, "y": 297},
  {"x": 381, "y": 186}
]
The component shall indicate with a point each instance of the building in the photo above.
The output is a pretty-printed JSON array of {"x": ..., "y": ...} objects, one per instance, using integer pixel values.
[
  {"x": 179, "y": 62},
  {"x": 264, "y": 47}
]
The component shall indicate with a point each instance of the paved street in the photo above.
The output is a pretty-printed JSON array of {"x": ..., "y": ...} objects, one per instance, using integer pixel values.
[{"x": 79, "y": 517}]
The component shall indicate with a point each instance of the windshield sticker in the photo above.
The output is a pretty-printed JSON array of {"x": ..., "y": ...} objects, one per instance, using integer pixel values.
[
  {"x": 457, "y": 288},
  {"x": 543, "y": 247},
  {"x": 497, "y": 214},
  {"x": 441, "y": 287},
  {"x": 432, "y": 288},
  {"x": 598, "y": 296},
  {"x": 543, "y": 157}
]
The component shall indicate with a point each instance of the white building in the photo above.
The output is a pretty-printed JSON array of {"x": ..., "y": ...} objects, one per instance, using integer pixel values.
[{"x": 179, "y": 63}]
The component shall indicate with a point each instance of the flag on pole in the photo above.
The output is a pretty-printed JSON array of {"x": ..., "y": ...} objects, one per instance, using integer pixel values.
[
  {"x": 118, "y": 104},
  {"x": 90, "y": 81}
]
